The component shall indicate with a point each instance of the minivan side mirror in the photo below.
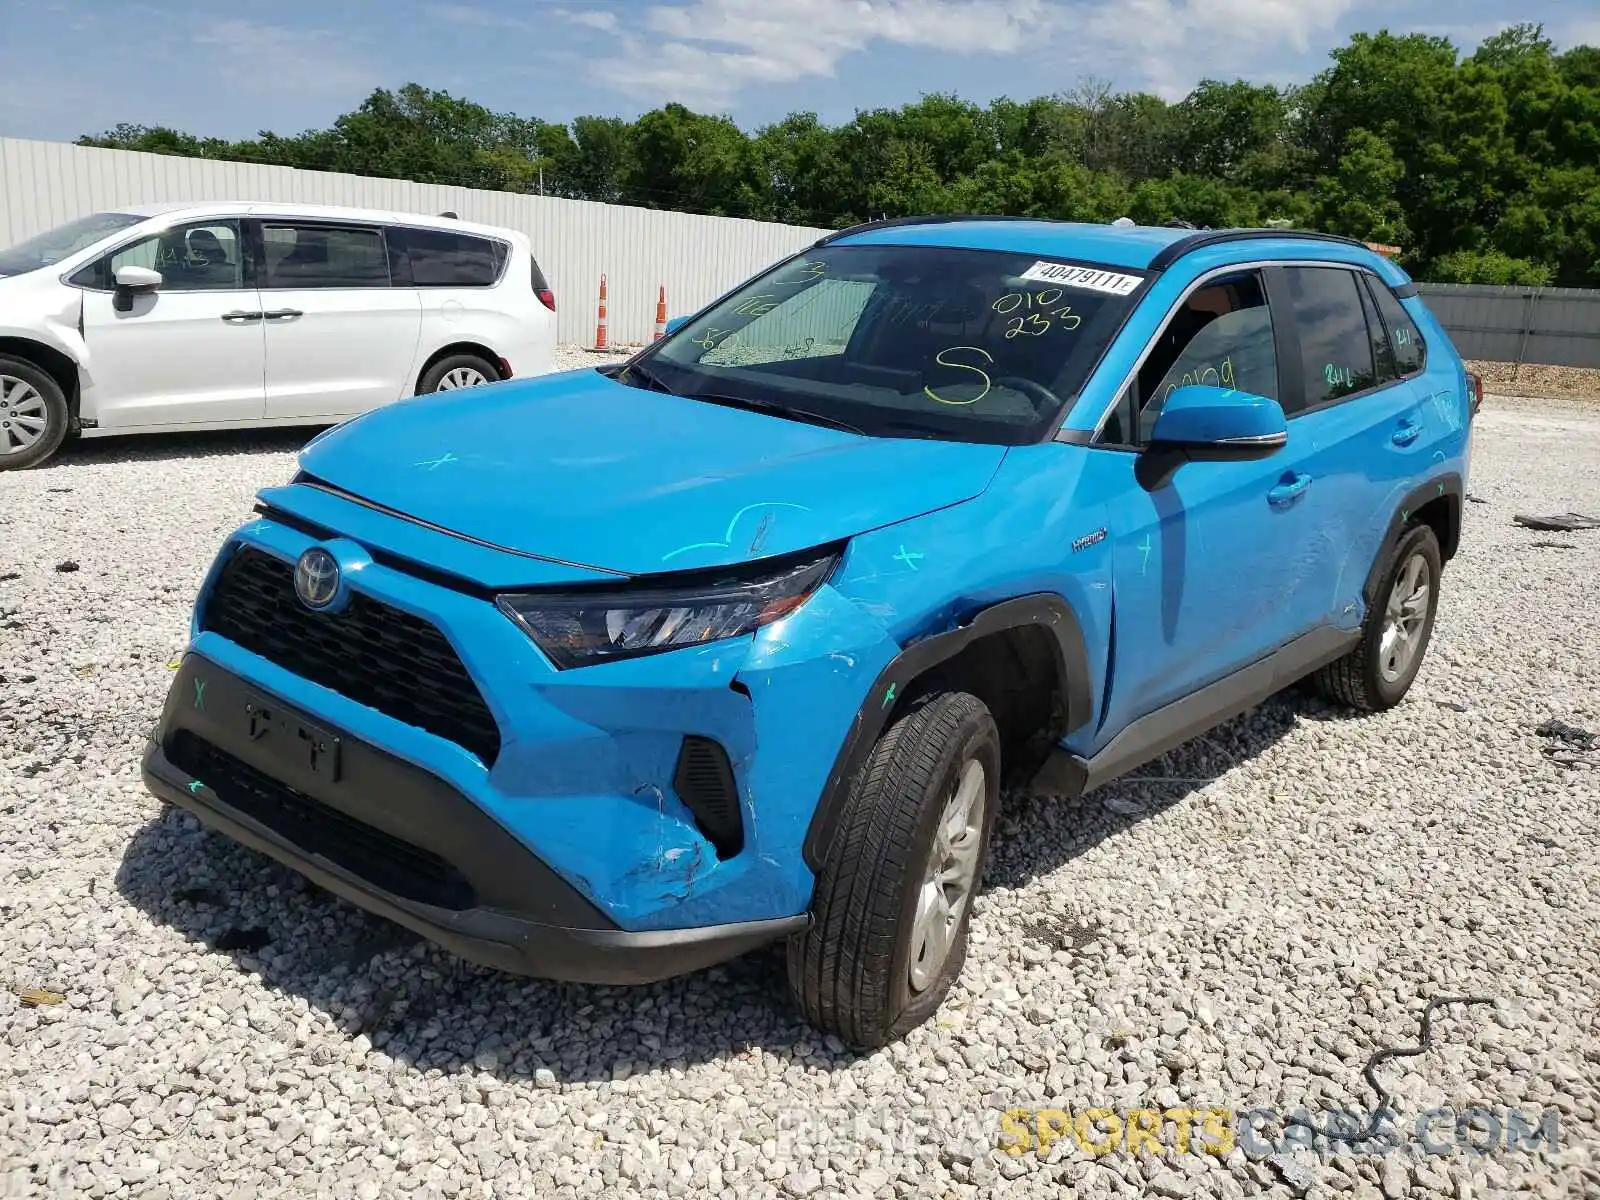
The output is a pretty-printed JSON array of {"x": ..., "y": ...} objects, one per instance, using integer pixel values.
[
  {"x": 676, "y": 324},
  {"x": 1216, "y": 424},
  {"x": 132, "y": 281},
  {"x": 138, "y": 279}
]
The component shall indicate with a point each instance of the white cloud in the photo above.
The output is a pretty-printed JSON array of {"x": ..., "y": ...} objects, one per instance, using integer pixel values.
[
  {"x": 1167, "y": 46},
  {"x": 272, "y": 58},
  {"x": 1584, "y": 31},
  {"x": 717, "y": 48},
  {"x": 467, "y": 14},
  {"x": 709, "y": 52},
  {"x": 605, "y": 22}
]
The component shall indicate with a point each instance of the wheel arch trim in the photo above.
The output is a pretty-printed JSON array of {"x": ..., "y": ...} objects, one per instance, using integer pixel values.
[
  {"x": 1447, "y": 486},
  {"x": 916, "y": 659}
]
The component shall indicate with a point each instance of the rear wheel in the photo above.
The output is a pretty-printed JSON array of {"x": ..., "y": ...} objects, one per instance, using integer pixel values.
[
  {"x": 457, "y": 371},
  {"x": 1378, "y": 673},
  {"x": 893, "y": 900},
  {"x": 33, "y": 414}
]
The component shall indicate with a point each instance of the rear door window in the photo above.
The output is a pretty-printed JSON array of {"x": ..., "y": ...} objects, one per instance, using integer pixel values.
[
  {"x": 323, "y": 256},
  {"x": 1335, "y": 343},
  {"x": 443, "y": 259}
]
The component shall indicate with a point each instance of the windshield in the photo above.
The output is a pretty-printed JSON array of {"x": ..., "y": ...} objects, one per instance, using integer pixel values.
[
  {"x": 903, "y": 341},
  {"x": 47, "y": 249}
]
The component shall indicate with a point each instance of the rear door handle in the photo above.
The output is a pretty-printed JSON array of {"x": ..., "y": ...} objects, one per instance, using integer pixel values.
[
  {"x": 1408, "y": 432},
  {"x": 240, "y": 318},
  {"x": 283, "y": 314},
  {"x": 1290, "y": 490}
]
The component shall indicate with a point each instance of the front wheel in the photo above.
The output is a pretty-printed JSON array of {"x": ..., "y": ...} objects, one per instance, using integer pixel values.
[
  {"x": 33, "y": 414},
  {"x": 893, "y": 900},
  {"x": 1378, "y": 673}
]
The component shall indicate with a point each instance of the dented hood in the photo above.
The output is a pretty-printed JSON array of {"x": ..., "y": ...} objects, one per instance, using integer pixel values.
[{"x": 578, "y": 468}]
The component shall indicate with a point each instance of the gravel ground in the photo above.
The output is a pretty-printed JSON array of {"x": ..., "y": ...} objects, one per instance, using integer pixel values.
[
  {"x": 1243, "y": 933},
  {"x": 1533, "y": 379}
]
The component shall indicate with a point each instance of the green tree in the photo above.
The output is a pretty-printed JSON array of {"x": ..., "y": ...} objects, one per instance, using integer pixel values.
[
  {"x": 1359, "y": 200},
  {"x": 683, "y": 159},
  {"x": 1489, "y": 266},
  {"x": 1231, "y": 131},
  {"x": 1483, "y": 167}
]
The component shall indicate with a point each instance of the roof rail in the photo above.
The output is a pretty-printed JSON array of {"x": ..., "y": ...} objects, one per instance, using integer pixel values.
[
  {"x": 929, "y": 219},
  {"x": 1170, "y": 254}
]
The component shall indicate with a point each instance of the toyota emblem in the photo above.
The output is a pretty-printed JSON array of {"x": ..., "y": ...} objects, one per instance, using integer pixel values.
[{"x": 316, "y": 578}]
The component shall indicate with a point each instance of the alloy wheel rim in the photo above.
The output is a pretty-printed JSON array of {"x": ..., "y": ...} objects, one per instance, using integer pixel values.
[
  {"x": 1405, "y": 618},
  {"x": 461, "y": 377},
  {"x": 950, "y": 878},
  {"x": 23, "y": 415}
]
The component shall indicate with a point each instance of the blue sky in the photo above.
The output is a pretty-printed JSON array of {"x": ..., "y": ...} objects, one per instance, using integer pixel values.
[{"x": 75, "y": 66}]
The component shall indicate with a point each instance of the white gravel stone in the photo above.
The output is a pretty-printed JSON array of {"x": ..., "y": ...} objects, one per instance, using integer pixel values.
[{"x": 1245, "y": 942}]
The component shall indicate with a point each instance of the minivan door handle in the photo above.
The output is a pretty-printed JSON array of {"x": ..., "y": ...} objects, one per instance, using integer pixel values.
[
  {"x": 1289, "y": 490},
  {"x": 283, "y": 314},
  {"x": 1408, "y": 432},
  {"x": 240, "y": 318}
]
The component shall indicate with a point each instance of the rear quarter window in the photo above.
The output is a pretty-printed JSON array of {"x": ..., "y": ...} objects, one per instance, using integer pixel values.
[
  {"x": 443, "y": 259},
  {"x": 1410, "y": 354}
]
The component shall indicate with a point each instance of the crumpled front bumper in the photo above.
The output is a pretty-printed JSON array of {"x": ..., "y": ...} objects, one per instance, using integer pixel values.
[
  {"x": 399, "y": 841},
  {"x": 585, "y": 776}
]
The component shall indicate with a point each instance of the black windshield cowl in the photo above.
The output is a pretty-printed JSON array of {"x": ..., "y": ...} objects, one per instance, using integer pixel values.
[
  {"x": 776, "y": 409},
  {"x": 649, "y": 381}
]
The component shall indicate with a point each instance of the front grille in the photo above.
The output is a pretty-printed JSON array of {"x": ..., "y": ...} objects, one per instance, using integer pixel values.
[
  {"x": 382, "y": 860},
  {"x": 376, "y": 655}
]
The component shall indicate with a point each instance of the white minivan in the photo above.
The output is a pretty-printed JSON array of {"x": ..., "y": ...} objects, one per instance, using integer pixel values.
[{"x": 159, "y": 318}]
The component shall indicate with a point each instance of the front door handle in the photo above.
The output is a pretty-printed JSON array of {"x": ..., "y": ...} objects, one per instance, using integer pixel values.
[
  {"x": 240, "y": 318},
  {"x": 283, "y": 314},
  {"x": 1290, "y": 490},
  {"x": 1408, "y": 432}
]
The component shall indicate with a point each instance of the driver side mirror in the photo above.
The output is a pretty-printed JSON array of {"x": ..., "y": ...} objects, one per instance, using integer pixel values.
[
  {"x": 676, "y": 324},
  {"x": 1201, "y": 423},
  {"x": 132, "y": 281},
  {"x": 1215, "y": 424}
]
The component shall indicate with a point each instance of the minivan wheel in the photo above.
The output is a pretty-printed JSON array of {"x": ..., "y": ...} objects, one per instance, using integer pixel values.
[
  {"x": 1380, "y": 670},
  {"x": 893, "y": 899},
  {"x": 457, "y": 371},
  {"x": 33, "y": 414}
]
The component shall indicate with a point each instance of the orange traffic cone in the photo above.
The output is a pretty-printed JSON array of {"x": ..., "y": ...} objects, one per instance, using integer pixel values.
[
  {"x": 661, "y": 314},
  {"x": 601, "y": 342}
]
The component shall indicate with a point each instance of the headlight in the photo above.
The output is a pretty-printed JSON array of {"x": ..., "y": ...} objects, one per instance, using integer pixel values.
[{"x": 579, "y": 627}]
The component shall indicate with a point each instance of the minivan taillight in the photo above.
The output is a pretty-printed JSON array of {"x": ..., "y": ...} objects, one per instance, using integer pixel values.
[
  {"x": 541, "y": 286},
  {"x": 1474, "y": 393}
]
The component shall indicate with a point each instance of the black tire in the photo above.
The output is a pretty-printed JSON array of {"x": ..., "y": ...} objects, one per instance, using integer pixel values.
[
  {"x": 851, "y": 970},
  {"x": 434, "y": 375},
  {"x": 55, "y": 415},
  {"x": 1358, "y": 678}
]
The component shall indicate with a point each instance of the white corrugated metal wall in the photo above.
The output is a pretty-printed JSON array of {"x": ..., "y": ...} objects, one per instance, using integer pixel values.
[{"x": 43, "y": 184}]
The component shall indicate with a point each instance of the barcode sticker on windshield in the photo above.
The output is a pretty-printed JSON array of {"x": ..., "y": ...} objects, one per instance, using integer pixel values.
[{"x": 1089, "y": 278}]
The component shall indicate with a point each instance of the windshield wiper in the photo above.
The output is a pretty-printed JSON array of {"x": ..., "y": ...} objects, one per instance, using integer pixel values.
[
  {"x": 651, "y": 381},
  {"x": 916, "y": 429},
  {"x": 775, "y": 409}
]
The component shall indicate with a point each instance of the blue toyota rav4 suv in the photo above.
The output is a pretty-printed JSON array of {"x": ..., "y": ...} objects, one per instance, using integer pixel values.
[{"x": 617, "y": 673}]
